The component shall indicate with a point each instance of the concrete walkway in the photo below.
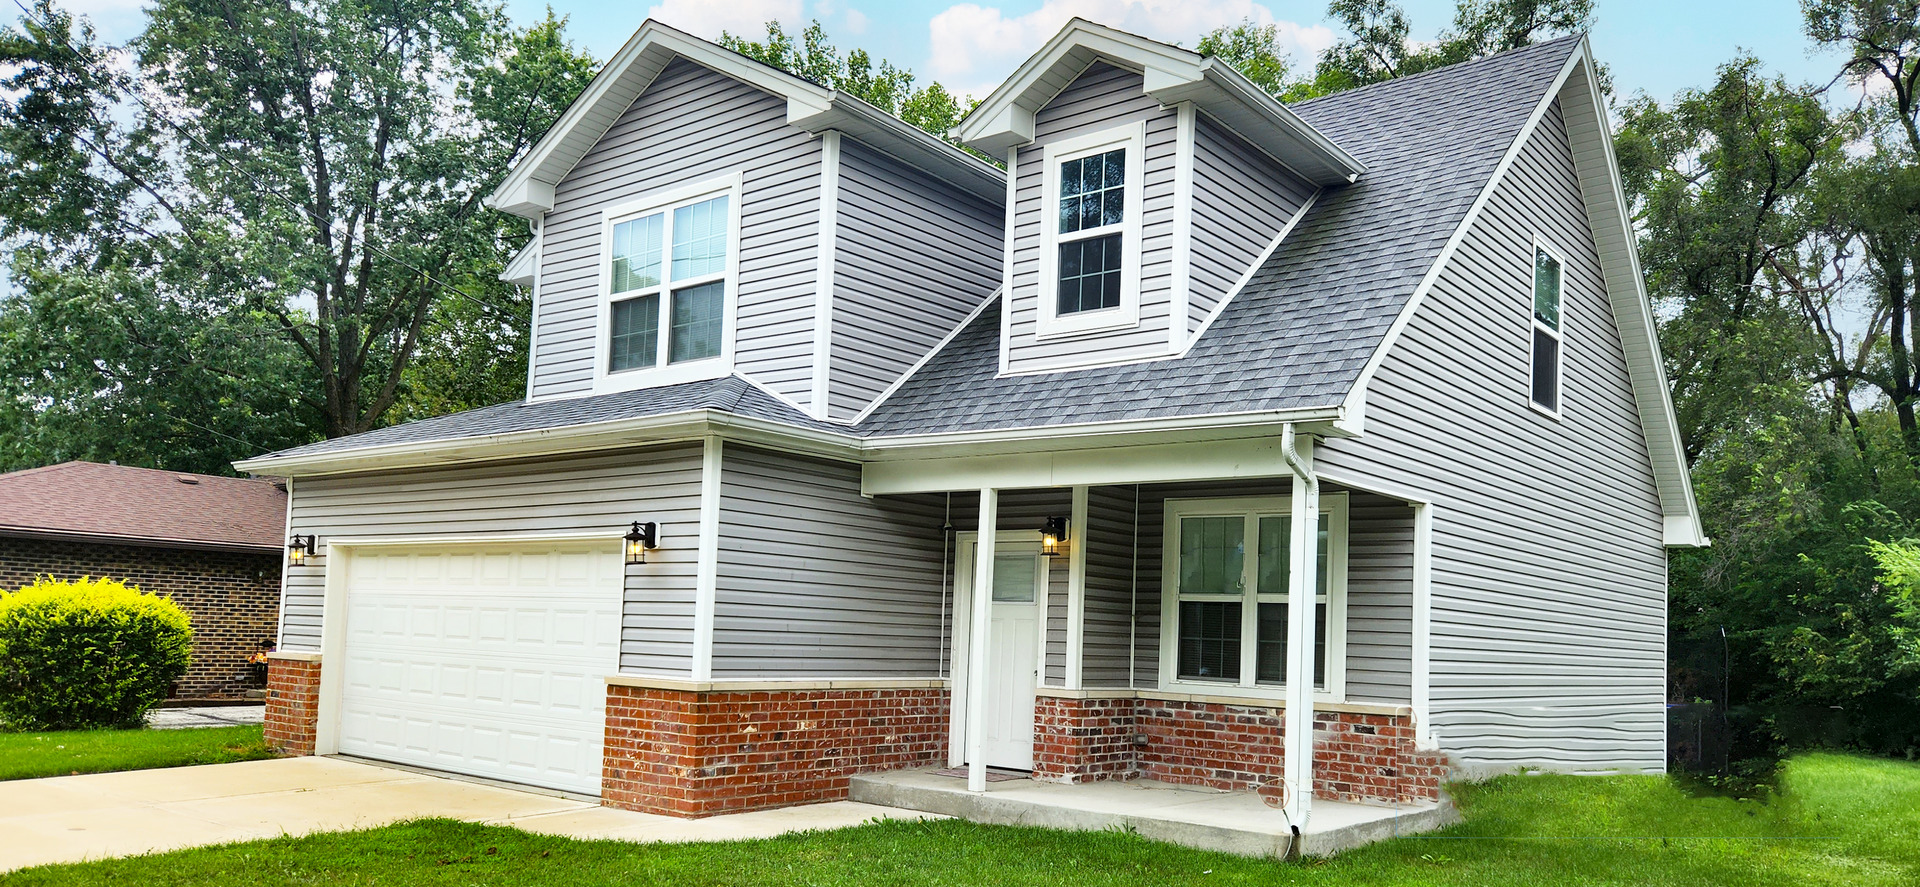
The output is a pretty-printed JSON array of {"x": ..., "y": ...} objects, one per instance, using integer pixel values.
[
  {"x": 76, "y": 818},
  {"x": 206, "y": 716}
]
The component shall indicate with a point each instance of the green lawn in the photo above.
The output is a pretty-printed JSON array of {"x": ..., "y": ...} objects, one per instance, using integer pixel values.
[
  {"x": 32, "y": 755},
  {"x": 1839, "y": 820}
]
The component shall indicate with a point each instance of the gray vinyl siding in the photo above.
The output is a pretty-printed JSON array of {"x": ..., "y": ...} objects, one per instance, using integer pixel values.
[
  {"x": 1379, "y": 599},
  {"x": 816, "y": 580},
  {"x": 913, "y": 257},
  {"x": 1549, "y": 575},
  {"x": 1106, "y": 644},
  {"x": 1103, "y": 97},
  {"x": 599, "y": 494},
  {"x": 1241, "y": 200},
  {"x": 691, "y": 125}
]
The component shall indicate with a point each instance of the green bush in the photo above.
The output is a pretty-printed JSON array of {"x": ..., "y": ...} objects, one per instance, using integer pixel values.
[{"x": 87, "y": 654}]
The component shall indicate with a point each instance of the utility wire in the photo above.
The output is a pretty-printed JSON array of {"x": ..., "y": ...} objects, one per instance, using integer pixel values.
[{"x": 331, "y": 225}]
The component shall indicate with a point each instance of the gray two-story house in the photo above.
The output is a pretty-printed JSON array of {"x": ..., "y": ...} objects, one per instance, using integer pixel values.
[{"x": 845, "y": 451}]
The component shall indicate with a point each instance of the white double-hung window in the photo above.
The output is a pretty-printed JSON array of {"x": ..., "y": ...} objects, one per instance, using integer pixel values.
[
  {"x": 1090, "y": 255},
  {"x": 1225, "y": 595},
  {"x": 668, "y": 278},
  {"x": 1545, "y": 371}
]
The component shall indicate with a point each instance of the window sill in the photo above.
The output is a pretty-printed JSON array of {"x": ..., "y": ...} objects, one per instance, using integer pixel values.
[
  {"x": 1089, "y": 323},
  {"x": 658, "y": 377}
]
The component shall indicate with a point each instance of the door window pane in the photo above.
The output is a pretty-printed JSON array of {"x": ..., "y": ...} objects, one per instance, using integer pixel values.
[
  {"x": 696, "y": 322},
  {"x": 636, "y": 253},
  {"x": 700, "y": 238},
  {"x": 1212, "y": 554},
  {"x": 1013, "y": 578},
  {"x": 1209, "y": 640},
  {"x": 635, "y": 340},
  {"x": 1270, "y": 661}
]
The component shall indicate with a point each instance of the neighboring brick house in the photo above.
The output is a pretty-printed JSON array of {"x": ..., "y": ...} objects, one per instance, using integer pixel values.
[{"x": 211, "y": 544}]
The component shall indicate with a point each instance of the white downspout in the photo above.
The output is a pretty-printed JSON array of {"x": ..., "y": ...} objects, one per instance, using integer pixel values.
[
  {"x": 1301, "y": 588},
  {"x": 977, "y": 664}
]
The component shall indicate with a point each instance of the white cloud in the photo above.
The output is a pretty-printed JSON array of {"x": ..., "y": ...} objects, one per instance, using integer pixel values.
[
  {"x": 707, "y": 18},
  {"x": 973, "y": 46},
  {"x": 856, "y": 21}
]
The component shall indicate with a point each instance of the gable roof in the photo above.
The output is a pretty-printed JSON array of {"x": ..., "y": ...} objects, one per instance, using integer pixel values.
[
  {"x": 120, "y": 503},
  {"x": 1005, "y": 119},
  {"x": 528, "y": 189}
]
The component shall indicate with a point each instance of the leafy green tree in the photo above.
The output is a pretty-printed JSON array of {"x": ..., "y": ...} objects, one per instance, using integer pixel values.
[
  {"x": 1379, "y": 45},
  {"x": 880, "y": 84},
  {"x": 1253, "y": 50}
]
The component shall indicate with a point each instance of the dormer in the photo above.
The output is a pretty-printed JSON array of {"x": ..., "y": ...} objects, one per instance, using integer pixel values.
[
  {"x": 700, "y": 215},
  {"x": 1145, "y": 183}
]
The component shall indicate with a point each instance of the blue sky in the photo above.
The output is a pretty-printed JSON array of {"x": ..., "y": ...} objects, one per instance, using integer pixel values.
[{"x": 1660, "y": 46}]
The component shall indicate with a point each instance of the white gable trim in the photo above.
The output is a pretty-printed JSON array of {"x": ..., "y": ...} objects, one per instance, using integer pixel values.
[
  {"x": 1172, "y": 76},
  {"x": 528, "y": 189},
  {"x": 1620, "y": 265}
]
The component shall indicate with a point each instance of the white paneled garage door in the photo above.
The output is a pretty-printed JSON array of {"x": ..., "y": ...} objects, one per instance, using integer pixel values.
[{"x": 485, "y": 660}]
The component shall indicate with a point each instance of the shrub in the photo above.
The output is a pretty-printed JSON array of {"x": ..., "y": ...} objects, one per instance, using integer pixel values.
[{"x": 87, "y": 654}]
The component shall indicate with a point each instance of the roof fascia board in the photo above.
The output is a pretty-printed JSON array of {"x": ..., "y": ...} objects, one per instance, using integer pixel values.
[
  {"x": 1354, "y": 419},
  {"x": 1220, "y": 426},
  {"x": 1116, "y": 462},
  {"x": 142, "y": 541}
]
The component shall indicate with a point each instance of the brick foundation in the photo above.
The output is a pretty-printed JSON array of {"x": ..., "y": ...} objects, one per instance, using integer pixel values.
[
  {"x": 692, "y": 753},
  {"x": 232, "y": 598},
  {"x": 293, "y": 704},
  {"x": 1356, "y": 756}
]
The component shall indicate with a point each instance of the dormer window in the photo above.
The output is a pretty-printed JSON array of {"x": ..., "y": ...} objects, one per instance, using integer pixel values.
[
  {"x": 668, "y": 278},
  {"x": 1090, "y": 274}
]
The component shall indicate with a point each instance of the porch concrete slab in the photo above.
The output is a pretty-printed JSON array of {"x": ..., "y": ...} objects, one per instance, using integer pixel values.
[
  {"x": 625, "y": 825},
  {"x": 1235, "y": 822}
]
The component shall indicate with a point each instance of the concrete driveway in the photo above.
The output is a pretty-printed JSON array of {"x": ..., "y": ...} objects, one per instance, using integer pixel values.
[{"x": 76, "y": 818}]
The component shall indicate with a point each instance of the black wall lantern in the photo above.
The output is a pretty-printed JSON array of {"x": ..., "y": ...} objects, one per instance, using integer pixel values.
[
  {"x": 642, "y": 537},
  {"x": 1053, "y": 537},
  {"x": 300, "y": 549}
]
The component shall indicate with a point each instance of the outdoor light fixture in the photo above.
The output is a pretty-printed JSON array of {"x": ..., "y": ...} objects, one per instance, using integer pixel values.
[
  {"x": 299, "y": 549},
  {"x": 642, "y": 537},
  {"x": 1053, "y": 537}
]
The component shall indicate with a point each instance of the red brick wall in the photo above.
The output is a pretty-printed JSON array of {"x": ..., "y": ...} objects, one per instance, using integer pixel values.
[
  {"x": 1356, "y": 756},
  {"x": 687, "y": 753},
  {"x": 232, "y": 598},
  {"x": 293, "y": 705}
]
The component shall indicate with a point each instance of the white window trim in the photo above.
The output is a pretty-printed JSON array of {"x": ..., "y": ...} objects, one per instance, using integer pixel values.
[
  {"x": 1540, "y": 244},
  {"x": 1333, "y": 515},
  {"x": 1132, "y": 137},
  {"x": 605, "y": 381}
]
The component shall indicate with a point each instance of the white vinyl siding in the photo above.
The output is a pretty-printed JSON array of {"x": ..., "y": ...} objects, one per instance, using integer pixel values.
[
  {"x": 691, "y": 125},
  {"x": 1549, "y": 575},
  {"x": 1102, "y": 98},
  {"x": 594, "y": 494}
]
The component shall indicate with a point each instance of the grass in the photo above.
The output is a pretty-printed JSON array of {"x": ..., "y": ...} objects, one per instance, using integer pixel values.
[
  {"x": 32, "y": 755},
  {"x": 1838, "y": 820}
]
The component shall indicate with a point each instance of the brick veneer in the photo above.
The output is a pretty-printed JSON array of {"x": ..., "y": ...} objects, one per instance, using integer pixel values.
[
  {"x": 1356, "y": 756},
  {"x": 232, "y": 598},
  {"x": 293, "y": 704},
  {"x": 692, "y": 753}
]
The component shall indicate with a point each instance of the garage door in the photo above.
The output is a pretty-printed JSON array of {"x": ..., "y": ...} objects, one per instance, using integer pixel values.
[{"x": 487, "y": 660}]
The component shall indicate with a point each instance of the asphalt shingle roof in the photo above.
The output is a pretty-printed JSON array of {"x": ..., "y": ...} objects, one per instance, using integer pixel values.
[
  {"x": 729, "y": 394},
  {"x": 88, "y": 499},
  {"x": 1297, "y": 337},
  {"x": 1306, "y": 324}
]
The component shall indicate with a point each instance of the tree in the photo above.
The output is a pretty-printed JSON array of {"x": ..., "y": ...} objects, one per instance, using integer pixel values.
[
  {"x": 1379, "y": 45},
  {"x": 880, "y": 84},
  {"x": 1253, "y": 50},
  {"x": 314, "y": 166}
]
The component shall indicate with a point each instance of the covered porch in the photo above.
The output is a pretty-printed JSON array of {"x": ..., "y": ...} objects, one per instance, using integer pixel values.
[{"x": 1136, "y": 628}]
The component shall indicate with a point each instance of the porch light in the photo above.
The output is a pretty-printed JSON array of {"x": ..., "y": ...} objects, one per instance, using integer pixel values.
[
  {"x": 1053, "y": 537},
  {"x": 300, "y": 548},
  {"x": 642, "y": 537}
]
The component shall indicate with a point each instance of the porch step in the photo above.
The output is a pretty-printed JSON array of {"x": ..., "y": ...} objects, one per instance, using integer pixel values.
[{"x": 1232, "y": 822}]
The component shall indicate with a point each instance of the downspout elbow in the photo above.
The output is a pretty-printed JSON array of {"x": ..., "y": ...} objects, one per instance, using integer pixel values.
[{"x": 1302, "y": 469}]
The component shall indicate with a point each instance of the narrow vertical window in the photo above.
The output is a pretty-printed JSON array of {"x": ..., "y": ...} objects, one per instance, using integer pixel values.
[
  {"x": 1092, "y": 208},
  {"x": 1546, "y": 330}
]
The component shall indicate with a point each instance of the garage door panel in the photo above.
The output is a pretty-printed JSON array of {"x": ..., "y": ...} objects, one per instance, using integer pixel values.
[{"x": 482, "y": 661}]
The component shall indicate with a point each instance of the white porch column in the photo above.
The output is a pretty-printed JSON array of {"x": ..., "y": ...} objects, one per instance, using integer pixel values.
[
  {"x": 977, "y": 664},
  {"x": 1301, "y": 587},
  {"x": 1076, "y": 586}
]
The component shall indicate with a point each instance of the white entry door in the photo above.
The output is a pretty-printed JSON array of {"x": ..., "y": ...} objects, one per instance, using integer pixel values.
[
  {"x": 1012, "y": 668},
  {"x": 484, "y": 660}
]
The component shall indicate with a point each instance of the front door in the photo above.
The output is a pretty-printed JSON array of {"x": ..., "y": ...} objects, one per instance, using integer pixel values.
[{"x": 1013, "y": 654}]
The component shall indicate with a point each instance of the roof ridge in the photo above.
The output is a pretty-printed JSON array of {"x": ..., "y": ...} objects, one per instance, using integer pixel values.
[{"x": 1453, "y": 68}]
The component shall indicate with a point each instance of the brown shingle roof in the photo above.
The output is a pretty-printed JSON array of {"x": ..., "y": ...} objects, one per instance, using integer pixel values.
[{"x": 91, "y": 500}]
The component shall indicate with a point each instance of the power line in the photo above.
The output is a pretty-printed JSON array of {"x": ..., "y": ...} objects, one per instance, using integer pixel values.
[{"x": 366, "y": 243}]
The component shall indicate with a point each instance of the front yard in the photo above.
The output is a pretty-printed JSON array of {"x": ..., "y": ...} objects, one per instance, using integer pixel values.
[
  {"x": 1838, "y": 820},
  {"x": 32, "y": 755}
]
